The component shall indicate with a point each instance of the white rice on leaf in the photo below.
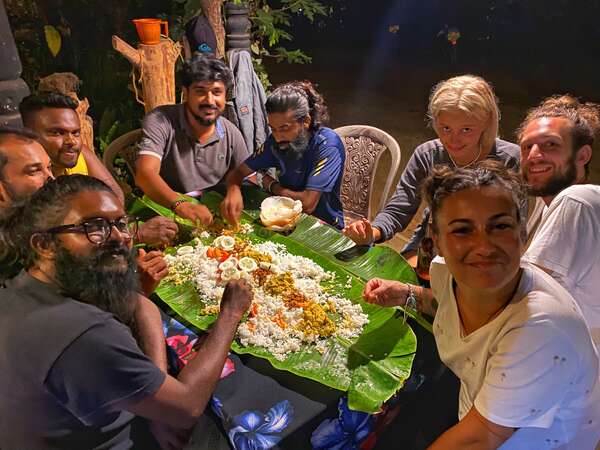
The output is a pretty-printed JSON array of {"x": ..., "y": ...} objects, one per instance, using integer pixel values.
[{"x": 274, "y": 326}]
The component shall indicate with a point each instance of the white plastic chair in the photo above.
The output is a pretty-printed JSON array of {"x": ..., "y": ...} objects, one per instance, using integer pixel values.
[{"x": 365, "y": 145}]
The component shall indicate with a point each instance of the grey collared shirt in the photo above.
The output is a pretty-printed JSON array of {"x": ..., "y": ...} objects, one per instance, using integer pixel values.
[{"x": 186, "y": 164}]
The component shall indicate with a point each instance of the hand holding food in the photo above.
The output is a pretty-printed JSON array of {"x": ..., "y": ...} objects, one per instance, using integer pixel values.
[
  {"x": 237, "y": 298},
  {"x": 232, "y": 206},
  {"x": 198, "y": 214}
]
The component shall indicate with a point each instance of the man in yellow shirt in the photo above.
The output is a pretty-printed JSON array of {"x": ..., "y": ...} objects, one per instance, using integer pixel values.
[{"x": 54, "y": 117}]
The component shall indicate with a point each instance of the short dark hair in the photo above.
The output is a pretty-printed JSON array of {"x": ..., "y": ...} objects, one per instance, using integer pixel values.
[
  {"x": 302, "y": 98},
  {"x": 46, "y": 208},
  {"x": 584, "y": 117},
  {"x": 36, "y": 102},
  {"x": 203, "y": 68},
  {"x": 6, "y": 132},
  {"x": 445, "y": 181}
]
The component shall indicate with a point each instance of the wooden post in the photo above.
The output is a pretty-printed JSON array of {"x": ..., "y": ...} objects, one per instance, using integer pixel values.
[
  {"x": 156, "y": 67},
  {"x": 237, "y": 26},
  {"x": 212, "y": 10}
]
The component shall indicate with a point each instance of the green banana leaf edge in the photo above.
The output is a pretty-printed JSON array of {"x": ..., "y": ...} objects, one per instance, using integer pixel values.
[{"x": 371, "y": 368}]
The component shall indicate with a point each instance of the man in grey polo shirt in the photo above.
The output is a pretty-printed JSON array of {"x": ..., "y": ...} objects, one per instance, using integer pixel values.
[{"x": 189, "y": 147}]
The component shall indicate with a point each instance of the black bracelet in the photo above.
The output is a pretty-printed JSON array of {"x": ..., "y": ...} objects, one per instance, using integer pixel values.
[{"x": 176, "y": 203}]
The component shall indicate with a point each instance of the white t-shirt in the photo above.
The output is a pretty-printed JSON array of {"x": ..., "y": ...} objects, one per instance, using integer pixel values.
[
  {"x": 567, "y": 242},
  {"x": 532, "y": 367}
]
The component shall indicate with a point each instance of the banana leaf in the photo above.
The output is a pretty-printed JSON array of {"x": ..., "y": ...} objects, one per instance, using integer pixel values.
[
  {"x": 373, "y": 367},
  {"x": 380, "y": 261}
]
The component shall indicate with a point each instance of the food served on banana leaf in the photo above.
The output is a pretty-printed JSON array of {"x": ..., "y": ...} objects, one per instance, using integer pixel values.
[
  {"x": 280, "y": 213},
  {"x": 291, "y": 307}
]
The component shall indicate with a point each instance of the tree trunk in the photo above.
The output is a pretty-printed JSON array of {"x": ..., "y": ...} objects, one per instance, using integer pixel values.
[
  {"x": 156, "y": 67},
  {"x": 212, "y": 9}
]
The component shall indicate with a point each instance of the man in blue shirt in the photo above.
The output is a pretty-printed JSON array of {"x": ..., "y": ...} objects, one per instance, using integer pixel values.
[{"x": 308, "y": 157}]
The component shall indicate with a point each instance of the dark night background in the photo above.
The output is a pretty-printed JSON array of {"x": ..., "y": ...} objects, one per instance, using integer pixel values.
[
  {"x": 375, "y": 61},
  {"x": 369, "y": 75},
  {"x": 527, "y": 49}
]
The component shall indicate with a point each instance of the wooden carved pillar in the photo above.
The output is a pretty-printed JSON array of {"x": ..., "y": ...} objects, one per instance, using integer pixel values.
[
  {"x": 237, "y": 26},
  {"x": 155, "y": 65},
  {"x": 12, "y": 88}
]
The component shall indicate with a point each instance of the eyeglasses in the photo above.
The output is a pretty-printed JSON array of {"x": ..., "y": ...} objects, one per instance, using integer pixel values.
[{"x": 98, "y": 229}]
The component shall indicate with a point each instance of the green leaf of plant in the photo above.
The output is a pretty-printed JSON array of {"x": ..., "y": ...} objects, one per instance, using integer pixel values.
[{"x": 53, "y": 39}]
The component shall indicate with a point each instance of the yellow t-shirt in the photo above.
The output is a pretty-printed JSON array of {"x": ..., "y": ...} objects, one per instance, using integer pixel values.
[{"x": 79, "y": 168}]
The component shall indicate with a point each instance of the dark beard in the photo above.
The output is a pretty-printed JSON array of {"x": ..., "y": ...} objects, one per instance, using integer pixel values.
[
  {"x": 295, "y": 148},
  {"x": 206, "y": 122},
  {"x": 85, "y": 279},
  {"x": 558, "y": 182}
]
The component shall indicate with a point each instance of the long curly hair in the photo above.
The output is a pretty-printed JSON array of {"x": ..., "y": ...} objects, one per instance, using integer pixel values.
[{"x": 302, "y": 98}]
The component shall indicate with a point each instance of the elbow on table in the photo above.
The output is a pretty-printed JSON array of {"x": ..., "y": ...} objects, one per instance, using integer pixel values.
[
  {"x": 189, "y": 411},
  {"x": 190, "y": 416}
]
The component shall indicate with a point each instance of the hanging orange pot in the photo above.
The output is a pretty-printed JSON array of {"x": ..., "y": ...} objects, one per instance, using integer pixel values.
[{"x": 149, "y": 30}]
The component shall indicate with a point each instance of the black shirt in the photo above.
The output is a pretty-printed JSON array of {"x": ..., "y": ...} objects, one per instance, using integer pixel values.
[{"x": 66, "y": 368}]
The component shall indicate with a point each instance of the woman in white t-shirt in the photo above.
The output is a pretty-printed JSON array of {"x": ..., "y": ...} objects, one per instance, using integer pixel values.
[{"x": 514, "y": 337}]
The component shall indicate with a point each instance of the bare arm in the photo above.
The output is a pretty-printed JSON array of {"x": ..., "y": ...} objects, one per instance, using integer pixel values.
[
  {"x": 152, "y": 338},
  {"x": 233, "y": 203},
  {"x": 236, "y": 176},
  {"x": 426, "y": 302},
  {"x": 179, "y": 402},
  {"x": 473, "y": 432},
  {"x": 97, "y": 170},
  {"x": 148, "y": 179}
]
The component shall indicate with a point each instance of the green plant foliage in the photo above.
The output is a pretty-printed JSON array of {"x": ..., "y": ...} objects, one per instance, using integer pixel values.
[
  {"x": 271, "y": 27},
  {"x": 373, "y": 367}
]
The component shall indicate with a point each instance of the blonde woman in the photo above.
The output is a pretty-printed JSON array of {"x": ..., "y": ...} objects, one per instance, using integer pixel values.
[{"x": 464, "y": 113}]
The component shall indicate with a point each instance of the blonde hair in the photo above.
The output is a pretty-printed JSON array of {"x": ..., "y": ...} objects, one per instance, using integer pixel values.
[{"x": 472, "y": 95}]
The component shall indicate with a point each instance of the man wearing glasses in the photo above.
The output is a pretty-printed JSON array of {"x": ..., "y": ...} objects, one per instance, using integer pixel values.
[
  {"x": 86, "y": 383},
  {"x": 25, "y": 167}
]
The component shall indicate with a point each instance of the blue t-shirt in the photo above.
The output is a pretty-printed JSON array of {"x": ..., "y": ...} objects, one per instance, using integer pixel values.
[{"x": 320, "y": 168}]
